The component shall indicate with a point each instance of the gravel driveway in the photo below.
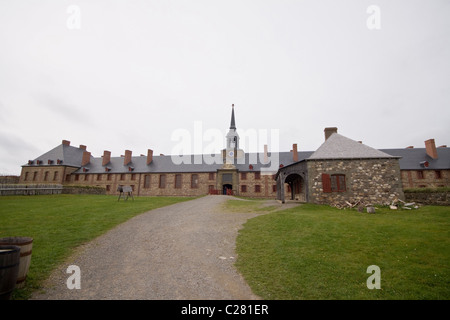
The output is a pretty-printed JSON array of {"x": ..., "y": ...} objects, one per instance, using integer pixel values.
[{"x": 182, "y": 251}]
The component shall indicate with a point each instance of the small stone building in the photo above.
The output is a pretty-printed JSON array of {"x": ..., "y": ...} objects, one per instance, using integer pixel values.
[{"x": 342, "y": 170}]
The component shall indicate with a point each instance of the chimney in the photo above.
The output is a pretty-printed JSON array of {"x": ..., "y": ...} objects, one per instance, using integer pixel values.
[
  {"x": 127, "y": 159},
  {"x": 86, "y": 158},
  {"x": 149, "y": 156},
  {"x": 329, "y": 132},
  {"x": 295, "y": 153},
  {"x": 106, "y": 157},
  {"x": 83, "y": 147},
  {"x": 430, "y": 147},
  {"x": 443, "y": 146},
  {"x": 410, "y": 147},
  {"x": 66, "y": 142}
]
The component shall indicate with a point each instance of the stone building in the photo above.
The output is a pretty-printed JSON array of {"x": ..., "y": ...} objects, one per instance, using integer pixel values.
[
  {"x": 345, "y": 168},
  {"x": 342, "y": 170}
]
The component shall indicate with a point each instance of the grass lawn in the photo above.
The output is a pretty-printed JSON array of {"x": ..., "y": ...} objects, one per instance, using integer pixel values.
[
  {"x": 59, "y": 223},
  {"x": 319, "y": 252}
]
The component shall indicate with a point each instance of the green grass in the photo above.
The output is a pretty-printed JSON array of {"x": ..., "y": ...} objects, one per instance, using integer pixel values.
[
  {"x": 319, "y": 252},
  {"x": 247, "y": 205},
  {"x": 60, "y": 223}
]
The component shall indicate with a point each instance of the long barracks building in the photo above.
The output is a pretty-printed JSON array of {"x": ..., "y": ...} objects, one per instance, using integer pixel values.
[{"x": 340, "y": 169}]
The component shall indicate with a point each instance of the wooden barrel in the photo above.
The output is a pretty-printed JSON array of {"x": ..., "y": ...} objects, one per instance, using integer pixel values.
[
  {"x": 9, "y": 269},
  {"x": 25, "y": 244}
]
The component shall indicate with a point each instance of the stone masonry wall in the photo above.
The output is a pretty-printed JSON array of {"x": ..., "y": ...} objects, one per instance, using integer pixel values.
[
  {"x": 427, "y": 178},
  {"x": 375, "y": 181}
]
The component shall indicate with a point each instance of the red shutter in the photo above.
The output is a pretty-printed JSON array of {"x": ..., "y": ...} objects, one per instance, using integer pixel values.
[{"x": 326, "y": 182}]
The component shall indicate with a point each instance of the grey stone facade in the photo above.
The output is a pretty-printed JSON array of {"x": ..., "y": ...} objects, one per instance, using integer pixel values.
[{"x": 376, "y": 181}]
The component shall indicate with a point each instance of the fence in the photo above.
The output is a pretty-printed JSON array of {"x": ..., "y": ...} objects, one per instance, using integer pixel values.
[{"x": 24, "y": 189}]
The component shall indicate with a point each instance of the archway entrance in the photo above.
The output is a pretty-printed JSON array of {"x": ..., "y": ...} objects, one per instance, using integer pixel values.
[
  {"x": 296, "y": 187},
  {"x": 227, "y": 189}
]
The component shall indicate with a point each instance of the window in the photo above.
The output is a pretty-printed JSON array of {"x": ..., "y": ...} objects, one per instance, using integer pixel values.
[
  {"x": 420, "y": 174},
  {"x": 99, "y": 177},
  {"x": 243, "y": 175},
  {"x": 133, "y": 176},
  {"x": 162, "y": 181},
  {"x": 77, "y": 177},
  {"x": 86, "y": 177},
  {"x": 243, "y": 188},
  {"x": 122, "y": 176},
  {"x": 257, "y": 188},
  {"x": 147, "y": 181},
  {"x": 337, "y": 183},
  {"x": 333, "y": 183},
  {"x": 55, "y": 175},
  {"x": 257, "y": 175},
  {"x": 211, "y": 176},
  {"x": 274, "y": 188},
  {"x": 26, "y": 176},
  {"x": 34, "y": 176},
  {"x": 109, "y": 177},
  {"x": 438, "y": 174},
  {"x": 46, "y": 173},
  {"x": 67, "y": 177},
  {"x": 194, "y": 181},
  {"x": 108, "y": 187},
  {"x": 178, "y": 181}
]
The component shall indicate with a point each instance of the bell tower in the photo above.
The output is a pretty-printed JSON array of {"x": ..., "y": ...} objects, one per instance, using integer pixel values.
[
  {"x": 232, "y": 136},
  {"x": 232, "y": 151}
]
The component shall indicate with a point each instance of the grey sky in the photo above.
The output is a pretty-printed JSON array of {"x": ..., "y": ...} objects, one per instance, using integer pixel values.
[{"x": 136, "y": 71}]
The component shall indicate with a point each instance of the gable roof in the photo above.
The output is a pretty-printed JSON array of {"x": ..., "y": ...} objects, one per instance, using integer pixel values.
[
  {"x": 340, "y": 147},
  {"x": 70, "y": 156}
]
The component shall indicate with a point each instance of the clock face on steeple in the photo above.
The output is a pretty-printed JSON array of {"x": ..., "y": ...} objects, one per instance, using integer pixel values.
[{"x": 231, "y": 153}]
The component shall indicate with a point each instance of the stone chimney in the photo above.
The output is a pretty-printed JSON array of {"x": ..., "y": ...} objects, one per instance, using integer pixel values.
[
  {"x": 66, "y": 143},
  {"x": 149, "y": 156},
  {"x": 266, "y": 154},
  {"x": 329, "y": 132},
  {"x": 86, "y": 158},
  {"x": 106, "y": 157},
  {"x": 430, "y": 147},
  {"x": 127, "y": 158},
  {"x": 83, "y": 147},
  {"x": 294, "y": 153}
]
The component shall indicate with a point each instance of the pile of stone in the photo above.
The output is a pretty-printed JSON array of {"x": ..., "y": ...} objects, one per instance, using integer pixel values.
[
  {"x": 399, "y": 204},
  {"x": 369, "y": 207}
]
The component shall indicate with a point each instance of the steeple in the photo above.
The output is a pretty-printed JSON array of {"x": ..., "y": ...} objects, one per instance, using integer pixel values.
[
  {"x": 232, "y": 136},
  {"x": 232, "y": 125}
]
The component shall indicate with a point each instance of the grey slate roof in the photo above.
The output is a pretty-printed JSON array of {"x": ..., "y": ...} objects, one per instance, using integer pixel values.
[
  {"x": 70, "y": 156},
  {"x": 340, "y": 147},
  {"x": 192, "y": 163},
  {"x": 411, "y": 158}
]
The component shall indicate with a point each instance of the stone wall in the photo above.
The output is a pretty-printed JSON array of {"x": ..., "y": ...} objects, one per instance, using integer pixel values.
[
  {"x": 428, "y": 198},
  {"x": 375, "y": 181},
  {"x": 426, "y": 178}
]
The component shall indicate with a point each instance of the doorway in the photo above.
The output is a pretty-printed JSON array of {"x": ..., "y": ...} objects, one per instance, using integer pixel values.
[{"x": 227, "y": 189}]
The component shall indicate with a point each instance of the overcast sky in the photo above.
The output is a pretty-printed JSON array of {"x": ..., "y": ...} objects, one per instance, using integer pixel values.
[{"x": 126, "y": 74}]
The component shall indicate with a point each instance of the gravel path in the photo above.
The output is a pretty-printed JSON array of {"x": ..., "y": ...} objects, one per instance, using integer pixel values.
[{"x": 183, "y": 251}]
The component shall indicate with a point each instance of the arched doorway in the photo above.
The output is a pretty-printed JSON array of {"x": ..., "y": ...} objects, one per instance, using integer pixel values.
[
  {"x": 227, "y": 189},
  {"x": 296, "y": 187}
]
